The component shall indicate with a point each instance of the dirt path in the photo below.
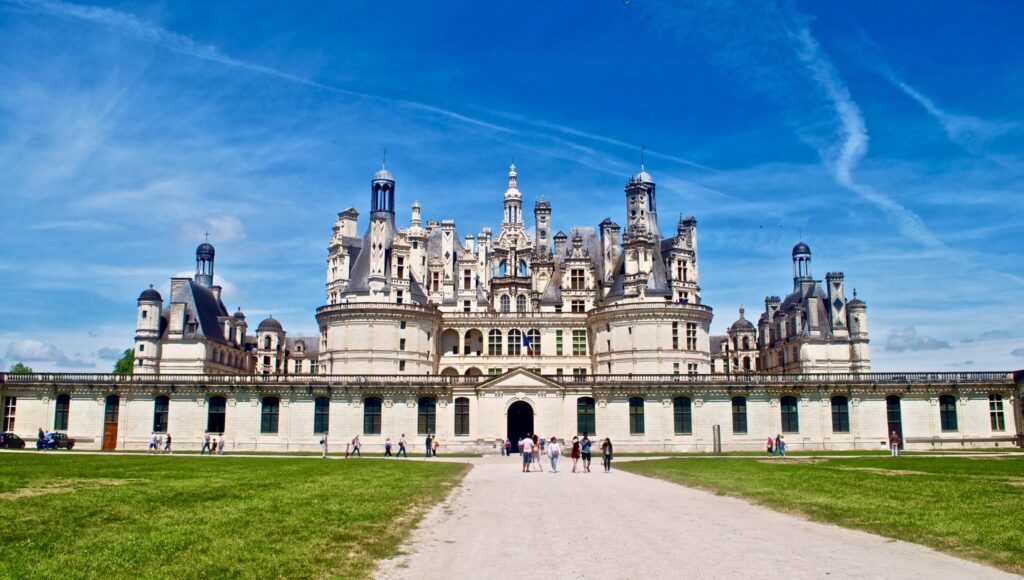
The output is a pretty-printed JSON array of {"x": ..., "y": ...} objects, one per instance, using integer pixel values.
[{"x": 502, "y": 523}]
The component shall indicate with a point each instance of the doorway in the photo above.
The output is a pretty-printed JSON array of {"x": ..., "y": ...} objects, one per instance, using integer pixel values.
[
  {"x": 894, "y": 417},
  {"x": 520, "y": 422},
  {"x": 110, "y": 413}
]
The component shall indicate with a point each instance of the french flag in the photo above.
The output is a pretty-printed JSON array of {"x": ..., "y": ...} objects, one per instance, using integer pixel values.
[{"x": 528, "y": 345}]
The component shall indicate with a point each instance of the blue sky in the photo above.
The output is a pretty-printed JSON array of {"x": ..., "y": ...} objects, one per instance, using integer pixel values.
[{"x": 888, "y": 135}]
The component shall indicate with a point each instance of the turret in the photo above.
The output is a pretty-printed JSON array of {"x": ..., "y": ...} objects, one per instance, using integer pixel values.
[
  {"x": 147, "y": 332},
  {"x": 270, "y": 347},
  {"x": 204, "y": 264},
  {"x": 836, "y": 303},
  {"x": 513, "y": 200},
  {"x": 857, "y": 312},
  {"x": 542, "y": 236},
  {"x": 382, "y": 192},
  {"x": 801, "y": 266},
  {"x": 641, "y": 206}
]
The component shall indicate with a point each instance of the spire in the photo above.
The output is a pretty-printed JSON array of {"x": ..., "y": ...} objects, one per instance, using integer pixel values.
[{"x": 512, "y": 177}]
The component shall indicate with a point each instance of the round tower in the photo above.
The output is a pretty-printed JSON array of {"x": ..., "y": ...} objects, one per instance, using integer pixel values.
[
  {"x": 382, "y": 193},
  {"x": 801, "y": 264},
  {"x": 513, "y": 199},
  {"x": 147, "y": 332},
  {"x": 860, "y": 356},
  {"x": 269, "y": 347},
  {"x": 204, "y": 264}
]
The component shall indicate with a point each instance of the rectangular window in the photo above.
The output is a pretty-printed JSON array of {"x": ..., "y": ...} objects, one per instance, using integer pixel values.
[
  {"x": 10, "y": 404},
  {"x": 401, "y": 267},
  {"x": 578, "y": 306},
  {"x": 675, "y": 336},
  {"x": 62, "y": 412},
  {"x": 790, "y": 415},
  {"x": 579, "y": 342},
  {"x": 215, "y": 414},
  {"x": 739, "y": 415},
  {"x": 435, "y": 281},
  {"x": 494, "y": 371},
  {"x": 995, "y": 412},
  {"x": 579, "y": 372},
  {"x": 465, "y": 306},
  {"x": 636, "y": 416},
  {"x": 691, "y": 368},
  {"x": 400, "y": 296},
  {"x": 467, "y": 280},
  {"x": 401, "y": 344},
  {"x": 840, "y": 415},
  {"x": 401, "y": 366},
  {"x": 558, "y": 308},
  {"x": 691, "y": 336},
  {"x": 585, "y": 420},
  {"x": 558, "y": 342},
  {"x": 371, "y": 416},
  {"x": 401, "y": 325},
  {"x": 321, "y": 415},
  {"x": 947, "y": 412},
  {"x": 577, "y": 279},
  {"x": 426, "y": 416},
  {"x": 675, "y": 369},
  {"x": 161, "y": 407},
  {"x": 683, "y": 416},
  {"x": 559, "y": 372},
  {"x": 462, "y": 416},
  {"x": 269, "y": 415}
]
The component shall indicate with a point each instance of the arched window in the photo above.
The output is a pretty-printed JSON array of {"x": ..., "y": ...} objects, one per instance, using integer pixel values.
[
  {"x": 840, "y": 415},
  {"x": 371, "y": 416},
  {"x": 60, "y": 416},
  {"x": 494, "y": 342},
  {"x": 269, "y": 415},
  {"x": 266, "y": 343},
  {"x": 161, "y": 407},
  {"x": 585, "y": 421},
  {"x": 790, "y": 416},
  {"x": 636, "y": 416},
  {"x": 683, "y": 416},
  {"x": 521, "y": 303},
  {"x": 426, "y": 416},
  {"x": 505, "y": 303},
  {"x": 746, "y": 343},
  {"x": 502, "y": 269},
  {"x": 995, "y": 412},
  {"x": 746, "y": 363},
  {"x": 215, "y": 413},
  {"x": 523, "y": 272},
  {"x": 947, "y": 412},
  {"x": 462, "y": 416},
  {"x": 321, "y": 415},
  {"x": 515, "y": 342},
  {"x": 739, "y": 415},
  {"x": 534, "y": 335}
]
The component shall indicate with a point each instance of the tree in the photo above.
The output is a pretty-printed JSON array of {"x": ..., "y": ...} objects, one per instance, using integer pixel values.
[
  {"x": 20, "y": 369},
  {"x": 126, "y": 364}
]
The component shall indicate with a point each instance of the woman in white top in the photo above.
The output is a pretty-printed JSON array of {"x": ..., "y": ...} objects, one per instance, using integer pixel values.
[{"x": 554, "y": 451}]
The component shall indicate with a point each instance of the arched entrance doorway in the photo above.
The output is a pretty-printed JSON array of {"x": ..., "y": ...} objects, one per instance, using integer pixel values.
[{"x": 520, "y": 421}]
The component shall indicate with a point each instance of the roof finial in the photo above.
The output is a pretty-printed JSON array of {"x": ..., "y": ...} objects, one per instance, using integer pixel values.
[
  {"x": 384, "y": 163},
  {"x": 207, "y": 234},
  {"x": 854, "y": 293},
  {"x": 741, "y": 312},
  {"x": 642, "y": 148}
]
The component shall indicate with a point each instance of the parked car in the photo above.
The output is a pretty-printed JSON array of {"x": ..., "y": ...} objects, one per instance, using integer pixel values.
[
  {"x": 11, "y": 441},
  {"x": 60, "y": 441}
]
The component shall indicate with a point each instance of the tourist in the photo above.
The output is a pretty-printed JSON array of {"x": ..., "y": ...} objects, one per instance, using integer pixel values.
[
  {"x": 206, "y": 445},
  {"x": 152, "y": 444},
  {"x": 894, "y": 444},
  {"x": 387, "y": 447},
  {"x": 159, "y": 444},
  {"x": 508, "y": 448},
  {"x": 585, "y": 452},
  {"x": 554, "y": 450},
  {"x": 356, "y": 445},
  {"x": 220, "y": 445},
  {"x": 430, "y": 445},
  {"x": 538, "y": 450},
  {"x": 167, "y": 445},
  {"x": 323, "y": 444},
  {"x": 606, "y": 453},
  {"x": 527, "y": 454},
  {"x": 575, "y": 453},
  {"x": 770, "y": 447},
  {"x": 41, "y": 440},
  {"x": 521, "y": 441},
  {"x": 780, "y": 445},
  {"x": 436, "y": 445},
  {"x": 401, "y": 447}
]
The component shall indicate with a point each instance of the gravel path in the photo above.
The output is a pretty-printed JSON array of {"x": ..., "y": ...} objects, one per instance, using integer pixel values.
[{"x": 501, "y": 523}]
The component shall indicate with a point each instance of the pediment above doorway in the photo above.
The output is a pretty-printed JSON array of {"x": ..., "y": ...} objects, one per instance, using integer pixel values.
[{"x": 520, "y": 379}]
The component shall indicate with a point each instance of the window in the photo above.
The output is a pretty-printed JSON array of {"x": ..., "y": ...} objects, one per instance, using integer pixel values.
[
  {"x": 675, "y": 369},
  {"x": 739, "y": 415},
  {"x": 371, "y": 416},
  {"x": 462, "y": 416},
  {"x": 995, "y": 412},
  {"x": 558, "y": 308},
  {"x": 505, "y": 302},
  {"x": 691, "y": 336},
  {"x": 161, "y": 408},
  {"x": 534, "y": 335},
  {"x": 579, "y": 372},
  {"x": 465, "y": 306},
  {"x": 111, "y": 409},
  {"x": 521, "y": 303},
  {"x": 579, "y": 342},
  {"x": 515, "y": 342},
  {"x": 790, "y": 416},
  {"x": 321, "y": 415},
  {"x": 269, "y": 415},
  {"x": 578, "y": 306},
  {"x": 585, "y": 420},
  {"x": 401, "y": 366},
  {"x": 494, "y": 342},
  {"x": 840, "y": 415},
  {"x": 558, "y": 342},
  {"x": 467, "y": 279},
  {"x": 9, "y": 406},
  {"x": 215, "y": 413},
  {"x": 577, "y": 280},
  {"x": 947, "y": 412},
  {"x": 401, "y": 325},
  {"x": 435, "y": 281},
  {"x": 494, "y": 371},
  {"x": 426, "y": 416},
  {"x": 401, "y": 344},
  {"x": 675, "y": 336},
  {"x": 683, "y": 415},
  {"x": 636, "y": 416},
  {"x": 401, "y": 268},
  {"x": 691, "y": 368},
  {"x": 266, "y": 343},
  {"x": 399, "y": 296}
]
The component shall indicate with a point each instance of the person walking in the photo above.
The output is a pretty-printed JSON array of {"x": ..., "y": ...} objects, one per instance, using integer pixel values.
[
  {"x": 220, "y": 444},
  {"x": 554, "y": 451},
  {"x": 206, "y": 446},
  {"x": 436, "y": 446},
  {"x": 585, "y": 445},
  {"x": 538, "y": 450},
  {"x": 508, "y": 447},
  {"x": 606, "y": 453},
  {"x": 401, "y": 447},
  {"x": 356, "y": 445},
  {"x": 780, "y": 445},
  {"x": 40, "y": 439},
  {"x": 152, "y": 445},
  {"x": 527, "y": 454},
  {"x": 323, "y": 444},
  {"x": 167, "y": 445},
  {"x": 575, "y": 453},
  {"x": 213, "y": 446},
  {"x": 430, "y": 445},
  {"x": 387, "y": 447},
  {"x": 770, "y": 447},
  {"x": 894, "y": 443}
]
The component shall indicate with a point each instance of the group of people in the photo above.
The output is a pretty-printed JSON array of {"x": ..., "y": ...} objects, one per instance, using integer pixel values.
[
  {"x": 158, "y": 444},
  {"x": 776, "y": 446},
  {"x": 212, "y": 445},
  {"x": 45, "y": 440},
  {"x": 354, "y": 448},
  {"x": 532, "y": 447}
]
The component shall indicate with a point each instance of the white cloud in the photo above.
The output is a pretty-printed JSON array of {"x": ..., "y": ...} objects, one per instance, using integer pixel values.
[
  {"x": 109, "y": 353},
  {"x": 221, "y": 229},
  {"x": 907, "y": 339},
  {"x": 31, "y": 350}
]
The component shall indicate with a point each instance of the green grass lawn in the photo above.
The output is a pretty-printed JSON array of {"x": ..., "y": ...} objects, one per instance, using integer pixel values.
[
  {"x": 76, "y": 516},
  {"x": 970, "y": 507}
]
